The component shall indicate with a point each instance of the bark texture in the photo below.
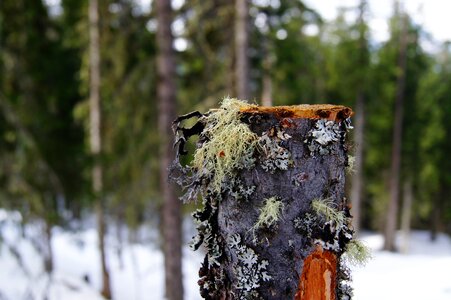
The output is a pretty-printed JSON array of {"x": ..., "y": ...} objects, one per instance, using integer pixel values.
[
  {"x": 357, "y": 176},
  {"x": 309, "y": 178},
  {"x": 48, "y": 252},
  {"x": 96, "y": 138},
  {"x": 166, "y": 91},
  {"x": 267, "y": 90},
  {"x": 392, "y": 213},
  {"x": 406, "y": 215},
  {"x": 268, "y": 62},
  {"x": 262, "y": 225}
]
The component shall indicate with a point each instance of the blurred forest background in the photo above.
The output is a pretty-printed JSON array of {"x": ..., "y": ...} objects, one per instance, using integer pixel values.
[{"x": 88, "y": 90}]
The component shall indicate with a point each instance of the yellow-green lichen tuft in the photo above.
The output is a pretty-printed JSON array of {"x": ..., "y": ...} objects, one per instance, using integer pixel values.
[
  {"x": 357, "y": 253},
  {"x": 228, "y": 141},
  {"x": 270, "y": 213},
  {"x": 326, "y": 207},
  {"x": 350, "y": 168}
]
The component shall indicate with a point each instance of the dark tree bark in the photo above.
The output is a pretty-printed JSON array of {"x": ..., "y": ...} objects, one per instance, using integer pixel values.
[
  {"x": 436, "y": 223},
  {"x": 406, "y": 215},
  {"x": 166, "y": 91},
  {"x": 297, "y": 255},
  {"x": 310, "y": 177},
  {"x": 392, "y": 213},
  {"x": 241, "y": 48},
  {"x": 268, "y": 62},
  {"x": 95, "y": 121},
  {"x": 357, "y": 178},
  {"x": 267, "y": 89},
  {"x": 48, "y": 253}
]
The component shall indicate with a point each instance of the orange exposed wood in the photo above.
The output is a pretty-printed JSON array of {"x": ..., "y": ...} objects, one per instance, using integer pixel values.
[
  {"x": 319, "y": 276},
  {"x": 305, "y": 111}
]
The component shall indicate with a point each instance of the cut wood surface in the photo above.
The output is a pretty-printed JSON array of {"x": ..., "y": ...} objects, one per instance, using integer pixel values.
[
  {"x": 319, "y": 276},
  {"x": 307, "y": 111}
]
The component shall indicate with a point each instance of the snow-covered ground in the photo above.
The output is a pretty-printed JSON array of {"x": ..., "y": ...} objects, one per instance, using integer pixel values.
[{"x": 423, "y": 273}]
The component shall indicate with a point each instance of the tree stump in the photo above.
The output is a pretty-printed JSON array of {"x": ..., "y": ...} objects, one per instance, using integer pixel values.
[{"x": 274, "y": 219}]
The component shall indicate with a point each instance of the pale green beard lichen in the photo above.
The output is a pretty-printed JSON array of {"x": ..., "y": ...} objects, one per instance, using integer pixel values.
[
  {"x": 350, "y": 168},
  {"x": 326, "y": 208},
  {"x": 228, "y": 141},
  {"x": 357, "y": 253},
  {"x": 269, "y": 213}
]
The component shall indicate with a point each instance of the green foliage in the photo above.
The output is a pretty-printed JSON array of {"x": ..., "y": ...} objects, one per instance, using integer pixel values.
[
  {"x": 298, "y": 68},
  {"x": 128, "y": 96},
  {"x": 348, "y": 58},
  {"x": 205, "y": 68},
  {"x": 380, "y": 121},
  {"x": 434, "y": 102},
  {"x": 39, "y": 90},
  {"x": 44, "y": 75}
]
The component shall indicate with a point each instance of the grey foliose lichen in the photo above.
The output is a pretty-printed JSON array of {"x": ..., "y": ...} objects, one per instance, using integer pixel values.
[
  {"x": 306, "y": 224},
  {"x": 323, "y": 134},
  {"x": 345, "y": 290},
  {"x": 274, "y": 155},
  {"x": 248, "y": 160},
  {"x": 249, "y": 270},
  {"x": 206, "y": 220},
  {"x": 238, "y": 190}
]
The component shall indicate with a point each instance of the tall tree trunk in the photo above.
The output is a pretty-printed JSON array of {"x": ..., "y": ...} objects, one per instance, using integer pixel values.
[
  {"x": 267, "y": 90},
  {"x": 241, "y": 47},
  {"x": 357, "y": 178},
  {"x": 48, "y": 253},
  {"x": 391, "y": 223},
  {"x": 435, "y": 220},
  {"x": 406, "y": 215},
  {"x": 120, "y": 237},
  {"x": 166, "y": 91},
  {"x": 96, "y": 139},
  {"x": 267, "y": 66},
  {"x": 437, "y": 208}
]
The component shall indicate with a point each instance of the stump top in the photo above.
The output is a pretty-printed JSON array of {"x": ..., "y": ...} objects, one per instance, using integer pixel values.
[{"x": 304, "y": 111}]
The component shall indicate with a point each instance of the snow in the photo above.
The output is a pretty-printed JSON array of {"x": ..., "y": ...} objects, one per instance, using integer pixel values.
[{"x": 423, "y": 273}]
